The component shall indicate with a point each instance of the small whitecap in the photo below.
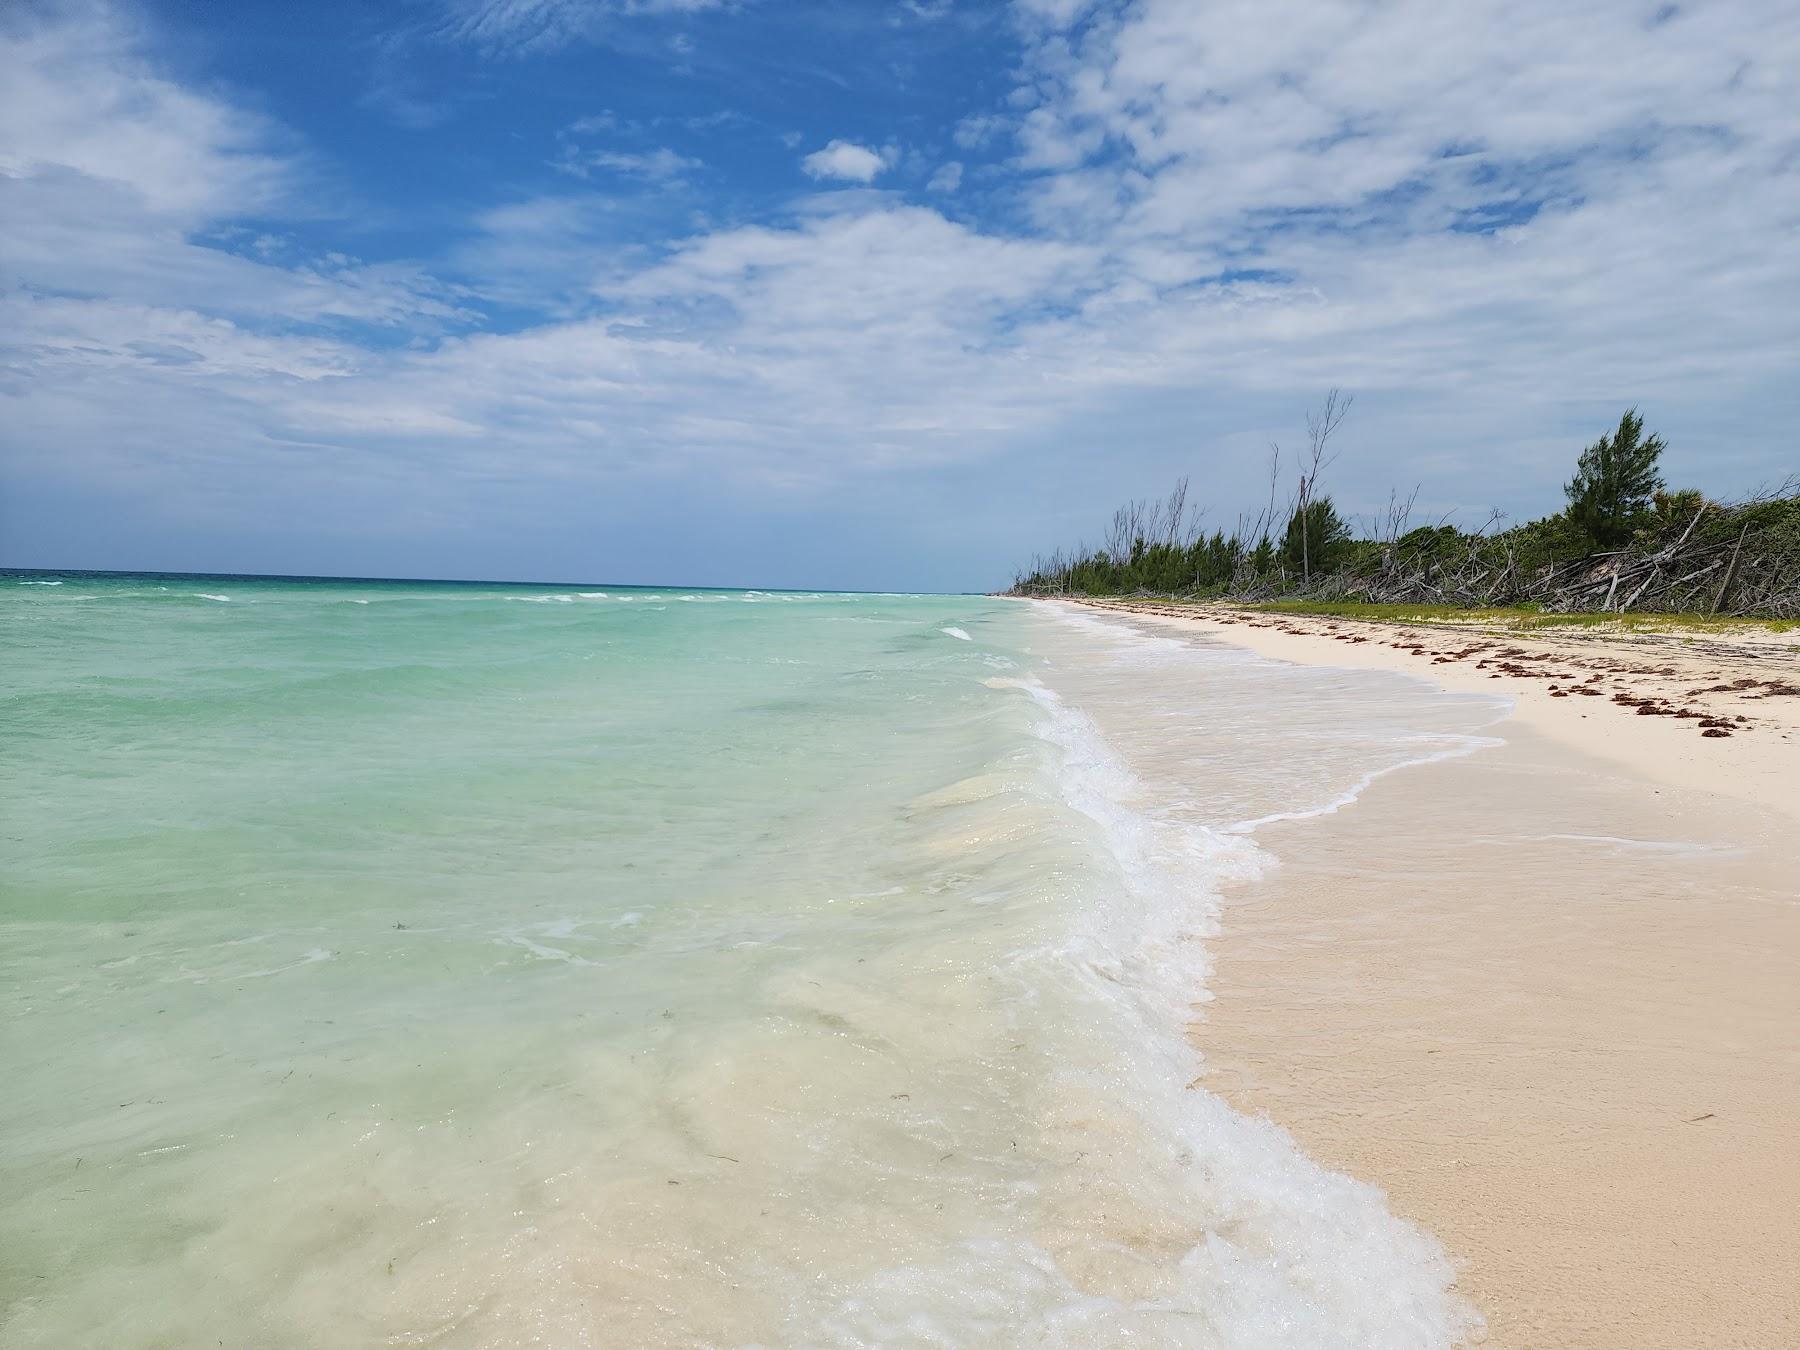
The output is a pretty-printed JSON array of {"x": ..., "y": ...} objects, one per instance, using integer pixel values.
[
  {"x": 956, "y": 633},
  {"x": 542, "y": 951},
  {"x": 312, "y": 957}
]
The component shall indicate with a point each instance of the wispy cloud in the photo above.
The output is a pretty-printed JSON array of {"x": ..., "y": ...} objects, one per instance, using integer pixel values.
[
  {"x": 521, "y": 26},
  {"x": 979, "y": 129},
  {"x": 661, "y": 165}
]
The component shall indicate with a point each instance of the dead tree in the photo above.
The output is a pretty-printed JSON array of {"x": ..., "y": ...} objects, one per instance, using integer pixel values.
[{"x": 1320, "y": 425}]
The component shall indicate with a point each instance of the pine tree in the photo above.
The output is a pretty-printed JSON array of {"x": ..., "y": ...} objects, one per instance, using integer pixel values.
[
  {"x": 1262, "y": 557},
  {"x": 1615, "y": 480},
  {"x": 1315, "y": 537}
]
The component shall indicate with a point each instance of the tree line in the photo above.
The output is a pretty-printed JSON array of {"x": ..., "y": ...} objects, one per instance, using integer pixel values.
[{"x": 1622, "y": 541}]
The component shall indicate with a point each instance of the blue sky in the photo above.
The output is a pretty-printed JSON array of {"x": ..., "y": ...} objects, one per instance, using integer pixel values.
[{"x": 862, "y": 295}]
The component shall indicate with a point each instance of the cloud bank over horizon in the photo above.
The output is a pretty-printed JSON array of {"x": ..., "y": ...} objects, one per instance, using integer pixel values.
[{"x": 863, "y": 296}]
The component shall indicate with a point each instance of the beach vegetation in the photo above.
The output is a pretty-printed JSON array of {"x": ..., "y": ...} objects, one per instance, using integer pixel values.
[
  {"x": 1623, "y": 543},
  {"x": 1528, "y": 618},
  {"x": 1512, "y": 618}
]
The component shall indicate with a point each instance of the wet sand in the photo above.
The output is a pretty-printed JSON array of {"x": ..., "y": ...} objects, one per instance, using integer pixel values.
[{"x": 1552, "y": 1005}]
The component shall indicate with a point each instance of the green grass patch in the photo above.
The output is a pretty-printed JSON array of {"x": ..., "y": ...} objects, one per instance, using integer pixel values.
[{"x": 1525, "y": 618}]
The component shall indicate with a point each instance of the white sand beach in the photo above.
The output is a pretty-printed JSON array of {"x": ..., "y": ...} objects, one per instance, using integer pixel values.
[{"x": 1546, "y": 994}]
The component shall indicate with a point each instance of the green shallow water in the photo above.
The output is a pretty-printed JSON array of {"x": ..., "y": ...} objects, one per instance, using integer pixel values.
[{"x": 401, "y": 963}]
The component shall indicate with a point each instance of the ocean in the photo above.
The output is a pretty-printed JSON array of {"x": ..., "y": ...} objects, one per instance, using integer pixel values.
[{"x": 450, "y": 964}]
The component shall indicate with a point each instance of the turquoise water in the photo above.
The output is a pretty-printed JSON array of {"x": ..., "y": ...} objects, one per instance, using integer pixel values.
[{"x": 445, "y": 964}]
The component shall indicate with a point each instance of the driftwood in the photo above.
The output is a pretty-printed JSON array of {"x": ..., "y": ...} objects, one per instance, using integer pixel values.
[
  {"x": 1730, "y": 571},
  {"x": 1682, "y": 577}
]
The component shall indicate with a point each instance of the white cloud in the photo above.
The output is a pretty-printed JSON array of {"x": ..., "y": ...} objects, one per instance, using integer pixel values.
[
  {"x": 844, "y": 160},
  {"x": 948, "y": 178},
  {"x": 177, "y": 155},
  {"x": 97, "y": 335},
  {"x": 1293, "y": 105},
  {"x": 145, "y": 331},
  {"x": 122, "y": 186}
]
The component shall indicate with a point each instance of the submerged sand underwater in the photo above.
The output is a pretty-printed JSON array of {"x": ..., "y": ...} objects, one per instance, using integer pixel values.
[{"x": 488, "y": 966}]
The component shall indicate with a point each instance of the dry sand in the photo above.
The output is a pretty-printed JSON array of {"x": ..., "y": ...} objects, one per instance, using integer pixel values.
[{"x": 1548, "y": 995}]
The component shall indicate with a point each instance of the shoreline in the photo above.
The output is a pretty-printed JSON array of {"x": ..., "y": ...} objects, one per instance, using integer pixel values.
[
  {"x": 1717, "y": 713},
  {"x": 1543, "y": 994}
]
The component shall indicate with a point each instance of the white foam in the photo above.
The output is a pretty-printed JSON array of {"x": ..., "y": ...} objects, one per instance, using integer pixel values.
[
  {"x": 1683, "y": 847},
  {"x": 310, "y": 958},
  {"x": 1457, "y": 747},
  {"x": 956, "y": 633},
  {"x": 1285, "y": 1253},
  {"x": 543, "y": 951},
  {"x": 1343, "y": 730},
  {"x": 204, "y": 595}
]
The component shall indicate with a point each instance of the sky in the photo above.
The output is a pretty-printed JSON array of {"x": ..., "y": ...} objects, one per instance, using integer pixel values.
[{"x": 863, "y": 295}]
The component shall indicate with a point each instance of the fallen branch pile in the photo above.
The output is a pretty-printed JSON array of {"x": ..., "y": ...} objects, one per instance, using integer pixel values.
[{"x": 1732, "y": 559}]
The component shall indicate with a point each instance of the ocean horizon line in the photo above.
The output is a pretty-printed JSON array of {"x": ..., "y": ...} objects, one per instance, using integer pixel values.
[{"x": 457, "y": 581}]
